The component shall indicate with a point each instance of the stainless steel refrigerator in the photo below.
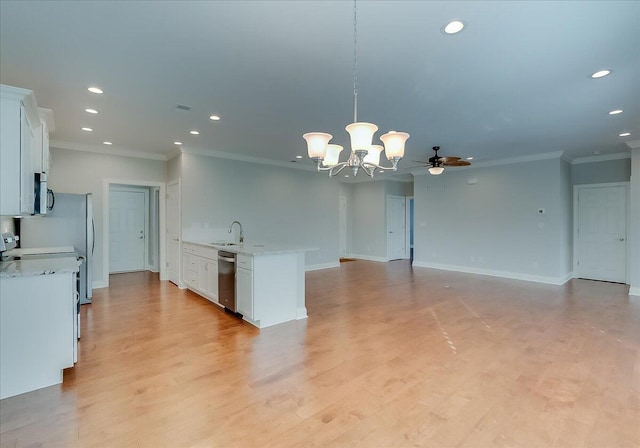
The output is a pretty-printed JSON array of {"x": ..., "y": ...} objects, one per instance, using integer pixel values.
[{"x": 70, "y": 223}]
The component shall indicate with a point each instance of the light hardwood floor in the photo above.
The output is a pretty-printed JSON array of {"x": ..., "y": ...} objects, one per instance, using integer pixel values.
[{"x": 390, "y": 356}]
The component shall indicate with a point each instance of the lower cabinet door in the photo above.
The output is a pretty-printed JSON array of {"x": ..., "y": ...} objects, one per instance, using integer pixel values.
[
  {"x": 209, "y": 278},
  {"x": 244, "y": 292}
]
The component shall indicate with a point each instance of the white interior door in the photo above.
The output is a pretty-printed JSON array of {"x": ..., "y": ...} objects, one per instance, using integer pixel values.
[
  {"x": 342, "y": 224},
  {"x": 395, "y": 227},
  {"x": 127, "y": 211},
  {"x": 173, "y": 233},
  {"x": 602, "y": 233}
]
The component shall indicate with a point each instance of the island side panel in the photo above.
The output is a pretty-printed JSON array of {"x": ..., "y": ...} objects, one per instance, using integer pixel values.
[
  {"x": 36, "y": 331},
  {"x": 275, "y": 288}
]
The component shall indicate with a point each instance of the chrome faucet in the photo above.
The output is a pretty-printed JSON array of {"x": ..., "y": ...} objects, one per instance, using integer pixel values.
[{"x": 241, "y": 234}]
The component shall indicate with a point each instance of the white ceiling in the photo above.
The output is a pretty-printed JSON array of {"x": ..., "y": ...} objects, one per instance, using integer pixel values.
[{"x": 516, "y": 82}]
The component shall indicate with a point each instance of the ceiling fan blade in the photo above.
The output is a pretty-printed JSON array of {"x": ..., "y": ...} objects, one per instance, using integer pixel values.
[
  {"x": 449, "y": 159},
  {"x": 457, "y": 163}
]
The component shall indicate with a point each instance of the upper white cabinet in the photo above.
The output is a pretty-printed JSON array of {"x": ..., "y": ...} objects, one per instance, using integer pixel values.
[{"x": 23, "y": 136}]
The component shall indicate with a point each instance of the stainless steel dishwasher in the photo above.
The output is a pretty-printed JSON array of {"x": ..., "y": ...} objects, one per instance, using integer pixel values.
[{"x": 227, "y": 280}]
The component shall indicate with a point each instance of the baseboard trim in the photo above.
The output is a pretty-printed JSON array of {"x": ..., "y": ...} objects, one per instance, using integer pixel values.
[
  {"x": 367, "y": 258},
  {"x": 100, "y": 284},
  {"x": 634, "y": 291},
  {"x": 317, "y": 267},
  {"x": 301, "y": 313},
  {"x": 495, "y": 273}
]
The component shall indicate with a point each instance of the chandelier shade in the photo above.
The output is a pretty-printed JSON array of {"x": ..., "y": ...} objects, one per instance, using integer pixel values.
[
  {"x": 317, "y": 144},
  {"x": 361, "y": 135},
  {"x": 333, "y": 155},
  {"x": 373, "y": 156},
  {"x": 394, "y": 144}
]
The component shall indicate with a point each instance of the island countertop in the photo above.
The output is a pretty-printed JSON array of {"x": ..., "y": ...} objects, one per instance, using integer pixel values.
[
  {"x": 251, "y": 248},
  {"x": 39, "y": 266}
]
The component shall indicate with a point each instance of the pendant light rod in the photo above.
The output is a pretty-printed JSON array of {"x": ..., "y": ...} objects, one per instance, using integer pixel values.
[{"x": 355, "y": 63}]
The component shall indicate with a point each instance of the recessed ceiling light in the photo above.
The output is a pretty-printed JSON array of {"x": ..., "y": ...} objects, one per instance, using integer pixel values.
[
  {"x": 453, "y": 27},
  {"x": 625, "y": 134},
  {"x": 298, "y": 157},
  {"x": 346, "y": 175},
  {"x": 95, "y": 90},
  {"x": 214, "y": 118},
  {"x": 601, "y": 73},
  {"x": 381, "y": 171},
  {"x": 194, "y": 132},
  {"x": 107, "y": 143},
  {"x": 87, "y": 129},
  {"x": 615, "y": 112},
  {"x": 469, "y": 158},
  {"x": 91, "y": 111},
  {"x": 177, "y": 143}
]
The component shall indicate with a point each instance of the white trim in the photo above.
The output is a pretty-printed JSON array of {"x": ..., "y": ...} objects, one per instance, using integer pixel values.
[
  {"x": 181, "y": 283},
  {"x": 367, "y": 257},
  {"x": 601, "y": 158},
  {"x": 249, "y": 159},
  {"x": 504, "y": 161},
  {"x": 109, "y": 150},
  {"x": 105, "y": 223},
  {"x": 318, "y": 267},
  {"x": 495, "y": 273},
  {"x": 301, "y": 313},
  {"x": 407, "y": 226},
  {"x": 576, "y": 190},
  {"x": 98, "y": 285},
  {"x": 634, "y": 144},
  {"x": 634, "y": 291}
]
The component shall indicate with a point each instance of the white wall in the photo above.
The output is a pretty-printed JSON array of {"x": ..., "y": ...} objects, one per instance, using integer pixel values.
[
  {"x": 273, "y": 204},
  {"x": 601, "y": 172},
  {"x": 634, "y": 219},
  {"x": 84, "y": 172},
  {"x": 493, "y": 227}
]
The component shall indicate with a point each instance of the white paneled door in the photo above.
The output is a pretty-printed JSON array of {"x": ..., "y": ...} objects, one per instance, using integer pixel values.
[
  {"x": 602, "y": 233},
  {"x": 126, "y": 231},
  {"x": 173, "y": 232},
  {"x": 395, "y": 227}
]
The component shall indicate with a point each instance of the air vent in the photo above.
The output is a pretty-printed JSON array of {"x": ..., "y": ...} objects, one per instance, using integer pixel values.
[{"x": 182, "y": 108}]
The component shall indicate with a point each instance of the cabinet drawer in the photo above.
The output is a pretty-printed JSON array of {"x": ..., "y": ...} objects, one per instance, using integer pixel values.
[
  {"x": 245, "y": 261},
  {"x": 207, "y": 252},
  {"x": 189, "y": 249}
]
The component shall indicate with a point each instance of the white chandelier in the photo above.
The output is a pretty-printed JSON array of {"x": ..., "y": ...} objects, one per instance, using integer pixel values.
[{"x": 364, "y": 155}]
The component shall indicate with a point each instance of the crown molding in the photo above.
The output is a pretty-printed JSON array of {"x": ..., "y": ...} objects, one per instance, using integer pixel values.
[
  {"x": 243, "y": 158},
  {"x": 601, "y": 158},
  {"x": 108, "y": 151},
  {"x": 633, "y": 144},
  {"x": 499, "y": 162}
]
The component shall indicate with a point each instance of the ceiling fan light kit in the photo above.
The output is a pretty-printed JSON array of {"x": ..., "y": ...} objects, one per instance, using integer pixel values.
[
  {"x": 364, "y": 155},
  {"x": 436, "y": 163}
]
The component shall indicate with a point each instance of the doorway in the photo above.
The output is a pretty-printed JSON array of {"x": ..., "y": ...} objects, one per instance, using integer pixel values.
[
  {"x": 342, "y": 225},
  {"x": 155, "y": 250},
  {"x": 600, "y": 231},
  {"x": 128, "y": 228}
]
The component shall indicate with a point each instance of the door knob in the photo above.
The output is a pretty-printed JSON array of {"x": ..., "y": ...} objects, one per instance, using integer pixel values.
[
  {"x": 621, "y": 239},
  {"x": 140, "y": 237}
]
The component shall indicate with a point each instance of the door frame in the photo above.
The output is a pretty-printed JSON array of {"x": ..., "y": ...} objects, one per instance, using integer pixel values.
[
  {"x": 106, "y": 183},
  {"x": 147, "y": 212},
  {"x": 408, "y": 225},
  {"x": 181, "y": 284},
  {"x": 343, "y": 211},
  {"x": 576, "y": 222},
  {"x": 404, "y": 217}
]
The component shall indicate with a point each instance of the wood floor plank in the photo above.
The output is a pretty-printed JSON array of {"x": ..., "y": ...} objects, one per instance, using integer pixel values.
[{"x": 390, "y": 356}]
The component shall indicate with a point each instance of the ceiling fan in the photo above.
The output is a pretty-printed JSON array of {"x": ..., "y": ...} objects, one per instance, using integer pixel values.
[{"x": 436, "y": 163}]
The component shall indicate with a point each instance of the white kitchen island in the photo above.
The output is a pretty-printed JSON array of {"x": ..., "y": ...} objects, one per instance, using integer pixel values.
[
  {"x": 38, "y": 322},
  {"x": 270, "y": 280}
]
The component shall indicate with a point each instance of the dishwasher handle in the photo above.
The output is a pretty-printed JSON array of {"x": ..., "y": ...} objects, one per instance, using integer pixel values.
[{"x": 227, "y": 259}]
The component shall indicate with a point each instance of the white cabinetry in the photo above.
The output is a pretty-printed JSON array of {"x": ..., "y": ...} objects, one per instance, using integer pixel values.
[
  {"x": 244, "y": 287},
  {"x": 23, "y": 135},
  {"x": 200, "y": 270},
  {"x": 37, "y": 341}
]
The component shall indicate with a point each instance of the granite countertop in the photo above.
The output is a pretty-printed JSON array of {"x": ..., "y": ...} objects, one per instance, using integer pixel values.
[
  {"x": 250, "y": 248},
  {"x": 39, "y": 266}
]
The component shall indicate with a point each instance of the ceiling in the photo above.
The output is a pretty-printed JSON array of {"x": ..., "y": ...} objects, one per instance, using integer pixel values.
[{"x": 515, "y": 82}]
